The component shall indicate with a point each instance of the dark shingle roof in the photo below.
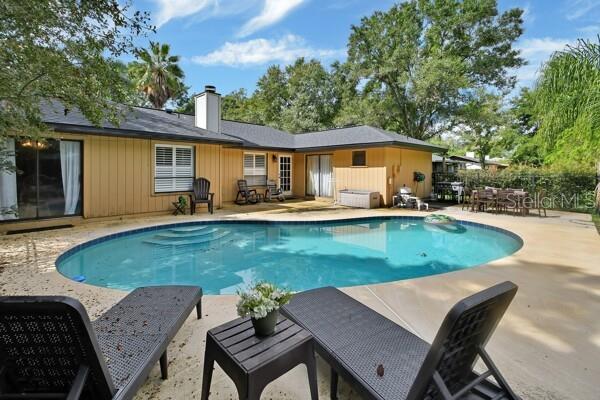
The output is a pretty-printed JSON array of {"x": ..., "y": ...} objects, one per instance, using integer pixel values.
[
  {"x": 449, "y": 160},
  {"x": 148, "y": 122},
  {"x": 359, "y": 135},
  {"x": 137, "y": 121},
  {"x": 258, "y": 135}
]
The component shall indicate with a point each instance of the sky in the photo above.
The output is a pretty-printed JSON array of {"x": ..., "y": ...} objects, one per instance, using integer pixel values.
[{"x": 230, "y": 43}]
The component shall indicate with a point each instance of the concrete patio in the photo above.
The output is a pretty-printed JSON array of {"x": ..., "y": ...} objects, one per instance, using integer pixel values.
[{"x": 548, "y": 345}]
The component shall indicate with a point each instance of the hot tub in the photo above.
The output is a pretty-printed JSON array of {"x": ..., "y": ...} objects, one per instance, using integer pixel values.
[{"x": 358, "y": 198}]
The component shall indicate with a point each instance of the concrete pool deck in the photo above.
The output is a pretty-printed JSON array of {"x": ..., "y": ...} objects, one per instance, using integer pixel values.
[{"x": 548, "y": 344}]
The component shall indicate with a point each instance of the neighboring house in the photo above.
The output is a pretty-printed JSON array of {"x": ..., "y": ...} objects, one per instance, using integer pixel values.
[
  {"x": 153, "y": 156},
  {"x": 451, "y": 166},
  {"x": 466, "y": 162}
]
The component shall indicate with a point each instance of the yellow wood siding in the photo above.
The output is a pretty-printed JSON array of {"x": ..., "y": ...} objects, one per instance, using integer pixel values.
[
  {"x": 118, "y": 173},
  {"x": 231, "y": 171},
  {"x": 299, "y": 175},
  {"x": 414, "y": 160},
  {"x": 366, "y": 178},
  {"x": 388, "y": 169},
  {"x": 208, "y": 165}
]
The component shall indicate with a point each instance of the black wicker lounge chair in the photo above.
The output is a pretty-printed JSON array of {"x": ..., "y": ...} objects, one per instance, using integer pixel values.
[
  {"x": 382, "y": 360},
  {"x": 273, "y": 192},
  {"x": 244, "y": 194},
  {"x": 202, "y": 195},
  {"x": 49, "y": 348}
]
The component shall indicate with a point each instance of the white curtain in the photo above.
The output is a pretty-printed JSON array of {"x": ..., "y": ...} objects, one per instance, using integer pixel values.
[
  {"x": 312, "y": 175},
  {"x": 70, "y": 164},
  {"x": 312, "y": 168},
  {"x": 326, "y": 172},
  {"x": 8, "y": 181}
]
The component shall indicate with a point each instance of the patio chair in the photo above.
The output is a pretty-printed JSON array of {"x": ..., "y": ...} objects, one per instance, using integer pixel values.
[
  {"x": 382, "y": 360},
  {"x": 507, "y": 200},
  {"x": 484, "y": 200},
  {"x": 202, "y": 195},
  {"x": 467, "y": 200},
  {"x": 245, "y": 195},
  {"x": 49, "y": 348},
  {"x": 405, "y": 198},
  {"x": 540, "y": 196},
  {"x": 273, "y": 192}
]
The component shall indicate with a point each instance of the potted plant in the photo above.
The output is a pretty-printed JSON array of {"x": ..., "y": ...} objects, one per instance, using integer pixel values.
[{"x": 261, "y": 303}]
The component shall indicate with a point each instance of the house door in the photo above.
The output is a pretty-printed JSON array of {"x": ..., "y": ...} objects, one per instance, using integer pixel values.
[
  {"x": 319, "y": 176},
  {"x": 285, "y": 174}
]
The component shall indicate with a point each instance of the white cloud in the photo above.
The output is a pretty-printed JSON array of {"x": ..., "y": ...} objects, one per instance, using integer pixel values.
[
  {"x": 528, "y": 15},
  {"x": 273, "y": 11},
  {"x": 264, "y": 51},
  {"x": 590, "y": 29},
  {"x": 200, "y": 10},
  {"x": 170, "y": 9},
  {"x": 541, "y": 46},
  {"x": 536, "y": 51},
  {"x": 580, "y": 8}
]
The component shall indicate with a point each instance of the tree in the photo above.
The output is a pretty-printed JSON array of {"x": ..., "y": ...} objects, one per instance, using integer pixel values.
[
  {"x": 270, "y": 97},
  {"x": 65, "y": 51},
  {"x": 567, "y": 106},
  {"x": 422, "y": 58},
  {"x": 300, "y": 97},
  {"x": 236, "y": 106},
  {"x": 157, "y": 74},
  {"x": 481, "y": 121},
  {"x": 311, "y": 103}
]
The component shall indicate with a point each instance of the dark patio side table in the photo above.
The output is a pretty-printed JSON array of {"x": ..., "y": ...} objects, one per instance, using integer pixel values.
[{"x": 252, "y": 362}]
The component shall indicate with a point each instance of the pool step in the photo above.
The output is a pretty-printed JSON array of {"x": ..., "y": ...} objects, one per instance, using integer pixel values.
[
  {"x": 188, "y": 229},
  {"x": 189, "y": 241},
  {"x": 181, "y": 235}
]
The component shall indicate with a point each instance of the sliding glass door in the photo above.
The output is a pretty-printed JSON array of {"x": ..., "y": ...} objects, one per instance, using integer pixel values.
[
  {"x": 40, "y": 179},
  {"x": 319, "y": 176}
]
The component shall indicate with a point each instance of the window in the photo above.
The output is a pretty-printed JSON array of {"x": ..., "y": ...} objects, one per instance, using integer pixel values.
[
  {"x": 359, "y": 158},
  {"x": 255, "y": 169},
  {"x": 173, "y": 168}
]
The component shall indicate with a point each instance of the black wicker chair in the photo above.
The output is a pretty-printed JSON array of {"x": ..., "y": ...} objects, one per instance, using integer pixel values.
[
  {"x": 245, "y": 195},
  {"x": 49, "y": 349},
  {"x": 202, "y": 195},
  {"x": 382, "y": 360}
]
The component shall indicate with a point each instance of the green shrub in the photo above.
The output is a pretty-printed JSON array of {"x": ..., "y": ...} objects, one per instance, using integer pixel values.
[{"x": 564, "y": 189}]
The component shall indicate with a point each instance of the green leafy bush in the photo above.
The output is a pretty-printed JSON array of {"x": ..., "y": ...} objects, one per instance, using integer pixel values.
[{"x": 563, "y": 189}]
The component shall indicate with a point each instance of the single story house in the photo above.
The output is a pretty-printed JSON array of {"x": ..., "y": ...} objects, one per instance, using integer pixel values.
[{"x": 144, "y": 164}]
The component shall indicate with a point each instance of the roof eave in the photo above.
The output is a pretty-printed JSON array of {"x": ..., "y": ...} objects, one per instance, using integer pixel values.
[
  {"x": 100, "y": 131},
  {"x": 374, "y": 144}
]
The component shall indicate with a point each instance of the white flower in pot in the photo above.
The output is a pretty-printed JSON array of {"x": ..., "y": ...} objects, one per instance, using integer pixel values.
[{"x": 261, "y": 303}]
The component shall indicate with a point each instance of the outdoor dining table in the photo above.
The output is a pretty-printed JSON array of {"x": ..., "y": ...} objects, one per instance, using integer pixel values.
[{"x": 520, "y": 198}]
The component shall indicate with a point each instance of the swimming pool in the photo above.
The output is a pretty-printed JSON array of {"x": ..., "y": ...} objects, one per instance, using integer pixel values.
[{"x": 222, "y": 256}]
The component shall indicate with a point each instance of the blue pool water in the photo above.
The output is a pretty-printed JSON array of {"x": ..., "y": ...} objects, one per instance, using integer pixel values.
[{"x": 222, "y": 257}]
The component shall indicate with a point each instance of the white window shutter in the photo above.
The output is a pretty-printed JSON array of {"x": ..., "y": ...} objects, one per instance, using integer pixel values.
[
  {"x": 184, "y": 169},
  {"x": 173, "y": 168},
  {"x": 255, "y": 169}
]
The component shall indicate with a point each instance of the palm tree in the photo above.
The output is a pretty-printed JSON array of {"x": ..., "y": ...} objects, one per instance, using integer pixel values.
[
  {"x": 567, "y": 102},
  {"x": 157, "y": 74}
]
